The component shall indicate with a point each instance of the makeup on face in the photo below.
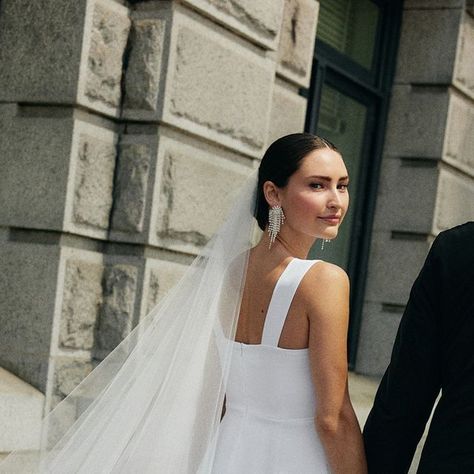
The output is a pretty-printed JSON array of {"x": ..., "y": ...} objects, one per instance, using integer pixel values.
[{"x": 317, "y": 196}]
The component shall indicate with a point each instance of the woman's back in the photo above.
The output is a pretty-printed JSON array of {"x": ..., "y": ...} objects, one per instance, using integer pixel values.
[
  {"x": 268, "y": 426},
  {"x": 261, "y": 280}
]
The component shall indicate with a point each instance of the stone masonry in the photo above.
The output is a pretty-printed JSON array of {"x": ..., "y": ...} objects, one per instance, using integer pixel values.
[
  {"x": 121, "y": 124},
  {"x": 427, "y": 178}
]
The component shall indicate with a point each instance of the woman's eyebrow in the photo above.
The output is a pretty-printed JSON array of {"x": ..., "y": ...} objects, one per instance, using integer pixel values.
[{"x": 327, "y": 178}]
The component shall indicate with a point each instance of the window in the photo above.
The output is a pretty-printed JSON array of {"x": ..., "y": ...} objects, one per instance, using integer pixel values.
[
  {"x": 350, "y": 27},
  {"x": 353, "y": 66}
]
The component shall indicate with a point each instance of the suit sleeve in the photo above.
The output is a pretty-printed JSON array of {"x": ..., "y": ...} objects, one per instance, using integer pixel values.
[{"x": 411, "y": 383}]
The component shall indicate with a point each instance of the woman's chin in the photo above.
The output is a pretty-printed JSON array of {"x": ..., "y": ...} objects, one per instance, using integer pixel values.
[{"x": 330, "y": 234}]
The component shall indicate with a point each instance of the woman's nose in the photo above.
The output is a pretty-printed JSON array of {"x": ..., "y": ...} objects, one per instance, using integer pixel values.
[{"x": 334, "y": 202}]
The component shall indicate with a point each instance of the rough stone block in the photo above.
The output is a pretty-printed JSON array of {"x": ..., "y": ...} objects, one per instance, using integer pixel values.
[
  {"x": 131, "y": 187},
  {"x": 116, "y": 315},
  {"x": 82, "y": 297},
  {"x": 195, "y": 178},
  {"x": 377, "y": 335},
  {"x": 406, "y": 195},
  {"x": 464, "y": 69},
  {"x": 258, "y": 21},
  {"x": 214, "y": 84},
  {"x": 160, "y": 277},
  {"x": 94, "y": 180},
  {"x": 417, "y": 121},
  {"x": 142, "y": 78},
  {"x": 67, "y": 55},
  {"x": 135, "y": 182},
  {"x": 288, "y": 111},
  {"x": 28, "y": 277},
  {"x": 34, "y": 160},
  {"x": 186, "y": 186},
  {"x": 97, "y": 309},
  {"x": 140, "y": 186},
  {"x": 41, "y": 50},
  {"x": 57, "y": 170},
  {"x": 68, "y": 373},
  {"x": 213, "y": 73},
  {"x": 459, "y": 139},
  {"x": 297, "y": 38},
  {"x": 428, "y": 45},
  {"x": 149, "y": 48},
  {"x": 455, "y": 201},
  {"x": 108, "y": 28},
  {"x": 393, "y": 266}
]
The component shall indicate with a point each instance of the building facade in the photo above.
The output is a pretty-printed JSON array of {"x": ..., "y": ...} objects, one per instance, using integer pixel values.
[{"x": 125, "y": 124}]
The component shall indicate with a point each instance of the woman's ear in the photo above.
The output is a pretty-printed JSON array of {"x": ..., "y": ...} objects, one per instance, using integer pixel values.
[{"x": 271, "y": 193}]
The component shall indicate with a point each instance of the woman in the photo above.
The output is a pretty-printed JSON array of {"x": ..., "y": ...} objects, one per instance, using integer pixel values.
[
  {"x": 288, "y": 408},
  {"x": 154, "y": 405}
]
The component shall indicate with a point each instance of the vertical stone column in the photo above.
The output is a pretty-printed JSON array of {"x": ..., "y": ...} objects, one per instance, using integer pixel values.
[
  {"x": 427, "y": 178},
  {"x": 60, "y": 97}
]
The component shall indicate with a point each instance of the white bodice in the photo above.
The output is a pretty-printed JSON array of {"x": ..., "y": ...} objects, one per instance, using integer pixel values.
[{"x": 266, "y": 380}]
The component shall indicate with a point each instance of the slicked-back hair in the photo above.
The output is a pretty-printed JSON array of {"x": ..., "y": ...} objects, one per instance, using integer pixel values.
[{"x": 283, "y": 158}]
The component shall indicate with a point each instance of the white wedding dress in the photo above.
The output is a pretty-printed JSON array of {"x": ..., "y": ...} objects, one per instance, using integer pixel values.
[{"x": 268, "y": 426}]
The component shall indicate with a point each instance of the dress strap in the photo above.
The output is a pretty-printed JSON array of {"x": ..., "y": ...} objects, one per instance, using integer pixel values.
[{"x": 281, "y": 299}]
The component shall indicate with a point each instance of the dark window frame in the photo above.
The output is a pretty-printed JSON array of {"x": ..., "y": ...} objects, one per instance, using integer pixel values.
[{"x": 372, "y": 88}]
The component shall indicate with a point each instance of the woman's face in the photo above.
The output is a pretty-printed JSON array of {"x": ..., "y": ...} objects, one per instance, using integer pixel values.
[{"x": 316, "y": 198}]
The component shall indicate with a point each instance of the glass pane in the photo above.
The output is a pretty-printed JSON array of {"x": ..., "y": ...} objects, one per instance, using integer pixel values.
[
  {"x": 342, "y": 121},
  {"x": 350, "y": 26}
]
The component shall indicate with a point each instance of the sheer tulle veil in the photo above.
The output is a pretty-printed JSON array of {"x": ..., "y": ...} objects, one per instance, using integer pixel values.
[{"x": 154, "y": 404}]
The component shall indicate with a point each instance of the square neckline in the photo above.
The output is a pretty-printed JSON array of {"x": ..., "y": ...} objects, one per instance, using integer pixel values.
[{"x": 246, "y": 345}]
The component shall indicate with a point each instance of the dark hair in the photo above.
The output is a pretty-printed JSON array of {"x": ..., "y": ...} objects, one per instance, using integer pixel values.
[{"x": 280, "y": 161}]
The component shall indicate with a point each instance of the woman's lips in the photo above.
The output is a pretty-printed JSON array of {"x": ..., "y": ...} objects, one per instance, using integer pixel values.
[{"x": 331, "y": 220}]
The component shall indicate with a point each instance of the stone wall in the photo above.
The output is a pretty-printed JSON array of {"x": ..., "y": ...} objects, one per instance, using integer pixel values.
[
  {"x": 121, "y": 124},
  {"x": 427, "y": 177}
]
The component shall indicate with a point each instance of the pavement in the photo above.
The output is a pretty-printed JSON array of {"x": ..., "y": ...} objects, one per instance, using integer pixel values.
[{"x": 362, "y": 390}]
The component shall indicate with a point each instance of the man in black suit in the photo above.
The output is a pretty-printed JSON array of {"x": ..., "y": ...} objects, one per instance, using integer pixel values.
[{"x": 433, "y": 351}]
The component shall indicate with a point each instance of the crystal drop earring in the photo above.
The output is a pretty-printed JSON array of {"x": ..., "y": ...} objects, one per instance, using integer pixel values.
[
  {"x": 322, "y": 243},
  {"x": 275, "y": 221}
]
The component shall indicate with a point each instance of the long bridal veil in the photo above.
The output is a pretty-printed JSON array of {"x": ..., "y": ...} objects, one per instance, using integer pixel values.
[{"x": 154, "y": 404}]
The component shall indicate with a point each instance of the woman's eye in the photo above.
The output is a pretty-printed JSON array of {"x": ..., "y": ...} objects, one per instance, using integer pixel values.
[
  {"x": 316, "y": 185},
  {"x": 343, "y": 186}
]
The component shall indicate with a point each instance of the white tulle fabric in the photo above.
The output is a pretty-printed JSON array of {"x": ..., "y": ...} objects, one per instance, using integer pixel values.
[{"x": 154, "y": 404}]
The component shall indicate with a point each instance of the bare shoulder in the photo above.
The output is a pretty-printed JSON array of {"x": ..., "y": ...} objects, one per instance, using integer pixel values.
[
  {"x": 323, "y": 273},
  {"x": 325, "y": 282}
]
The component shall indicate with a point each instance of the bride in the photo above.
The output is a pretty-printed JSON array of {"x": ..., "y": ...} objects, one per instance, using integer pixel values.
[{"x": 242, "y": 367}]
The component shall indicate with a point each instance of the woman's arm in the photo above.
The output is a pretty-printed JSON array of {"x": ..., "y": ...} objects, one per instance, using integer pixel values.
[{"x": 327, "y": 295}]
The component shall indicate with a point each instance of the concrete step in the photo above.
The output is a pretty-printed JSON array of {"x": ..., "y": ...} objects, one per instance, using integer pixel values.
[{"x": 21, "y": 411}]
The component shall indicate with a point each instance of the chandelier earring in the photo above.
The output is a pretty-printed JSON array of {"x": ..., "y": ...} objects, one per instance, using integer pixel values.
[
  {"x": 275, "y": 221},
  {"x": 323, "y": 241}
]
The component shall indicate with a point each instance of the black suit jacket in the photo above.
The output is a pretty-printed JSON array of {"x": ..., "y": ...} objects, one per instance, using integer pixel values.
[{"x": 433, "y": 351}]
